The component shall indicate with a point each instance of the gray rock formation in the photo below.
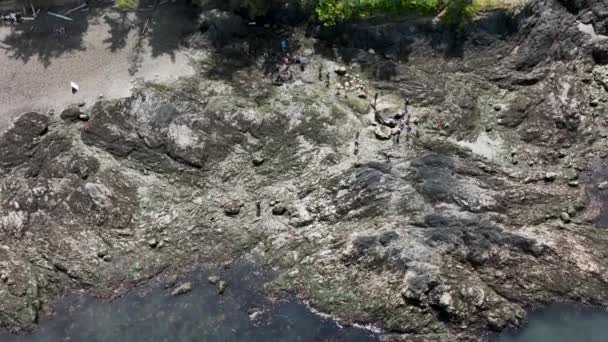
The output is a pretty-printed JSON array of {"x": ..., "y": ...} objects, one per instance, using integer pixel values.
[{"x": 446, "y": 241}]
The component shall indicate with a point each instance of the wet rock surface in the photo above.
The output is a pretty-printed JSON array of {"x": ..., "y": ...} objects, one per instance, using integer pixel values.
[{"x": 446, "y": 234}]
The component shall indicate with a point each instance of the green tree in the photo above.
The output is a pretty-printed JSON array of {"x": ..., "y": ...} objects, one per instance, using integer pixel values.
[
  {"x": 331, "y": 11},
  {"x": 459, "y": 13},
  {"x": 455, "y": 12}
]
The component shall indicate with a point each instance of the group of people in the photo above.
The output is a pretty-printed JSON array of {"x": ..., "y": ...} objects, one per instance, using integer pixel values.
[
  {"x": 283, "y": 71},
  {"x": 401, "y": 121}
]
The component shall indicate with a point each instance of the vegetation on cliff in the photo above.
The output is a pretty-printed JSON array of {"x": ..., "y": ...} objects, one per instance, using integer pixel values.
[{"x": 453, "y": 12}]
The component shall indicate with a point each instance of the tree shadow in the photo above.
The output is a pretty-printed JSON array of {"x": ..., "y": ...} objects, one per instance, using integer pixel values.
[
  {"x": 158, "y": 32},
  {"x": 238, "y": 49},
  {"x": 46, "y": 38},
  {"x": 120, "y": 28},
  {"x": 161, "y": 29},
  {"x": 169, "y": 26}
]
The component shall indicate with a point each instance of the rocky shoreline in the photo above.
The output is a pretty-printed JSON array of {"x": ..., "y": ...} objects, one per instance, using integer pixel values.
[{"x": 488, "y": 207}]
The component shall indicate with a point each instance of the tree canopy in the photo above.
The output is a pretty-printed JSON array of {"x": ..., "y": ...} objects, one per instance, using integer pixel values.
[{"x": 330, "y": 12}]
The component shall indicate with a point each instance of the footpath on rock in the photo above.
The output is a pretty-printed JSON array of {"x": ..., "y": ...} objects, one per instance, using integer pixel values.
[{"x": 491, "y": 203}]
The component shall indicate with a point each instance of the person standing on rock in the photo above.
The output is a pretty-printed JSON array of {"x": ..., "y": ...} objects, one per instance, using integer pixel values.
[
  {"x": 356, "y": 151},
  {"x": 398, "y": 132},
  {"x": 408, "y": 131},
  {"x": 327, "y": 80},
  {"x": 246, "y": 48},
  {"x": 377, "y": 117}
]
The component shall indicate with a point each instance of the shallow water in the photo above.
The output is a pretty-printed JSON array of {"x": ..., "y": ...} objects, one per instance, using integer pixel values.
[
  {"x": 242, "y": 313},
  {"x": 562, "y": 323}
]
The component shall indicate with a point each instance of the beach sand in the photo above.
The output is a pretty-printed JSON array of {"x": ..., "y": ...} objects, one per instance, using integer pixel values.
[{"x": 101, "y": 51}]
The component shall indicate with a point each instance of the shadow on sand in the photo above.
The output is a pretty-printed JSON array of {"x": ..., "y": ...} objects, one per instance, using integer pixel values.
[{"x": 48, "y": 37}]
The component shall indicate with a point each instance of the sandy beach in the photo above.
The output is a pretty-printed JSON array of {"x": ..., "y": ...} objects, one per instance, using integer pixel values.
[{"x": 101, "y": 50}]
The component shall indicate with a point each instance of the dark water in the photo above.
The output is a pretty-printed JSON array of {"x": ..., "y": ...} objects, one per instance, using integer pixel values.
[
  {"x": 562, "y": 323},
  {"x": 152, "y": 314}
]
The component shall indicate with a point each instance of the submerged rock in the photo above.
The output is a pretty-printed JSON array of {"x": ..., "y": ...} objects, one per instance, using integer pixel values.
[
  {"x": 182, "y": 289},
  {"x": 221, "y": 287},
  {"x": 213, "y": 279}
]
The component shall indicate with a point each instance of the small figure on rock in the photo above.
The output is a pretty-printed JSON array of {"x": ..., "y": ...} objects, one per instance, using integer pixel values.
[{"x": 397, "y": 134}]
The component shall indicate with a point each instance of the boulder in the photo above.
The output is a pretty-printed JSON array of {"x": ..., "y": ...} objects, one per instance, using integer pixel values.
[
  {"x": 382, "y": 132},
  {"x": 565, "y": 217},
  {"x": 17, "y": 143},
  {"x": 340, "y": 70},
  {"x": 152, "y": 243},
  {"x": 550, "y": 176},
  {"x": 515, "y": 114},
  {"x": 279, "y": 210},
  {"x": 599, "y": 52},
  {"x": 418, "y": 281},
  {"x": 600, "y": 75},
  {"x": 257, "y": 161},
  {"x": 571, "y": 211},
  {"x": 232, "y": 208},
  {"x": 594, "y": 102},
  {"x": 71, "y": 114}
]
